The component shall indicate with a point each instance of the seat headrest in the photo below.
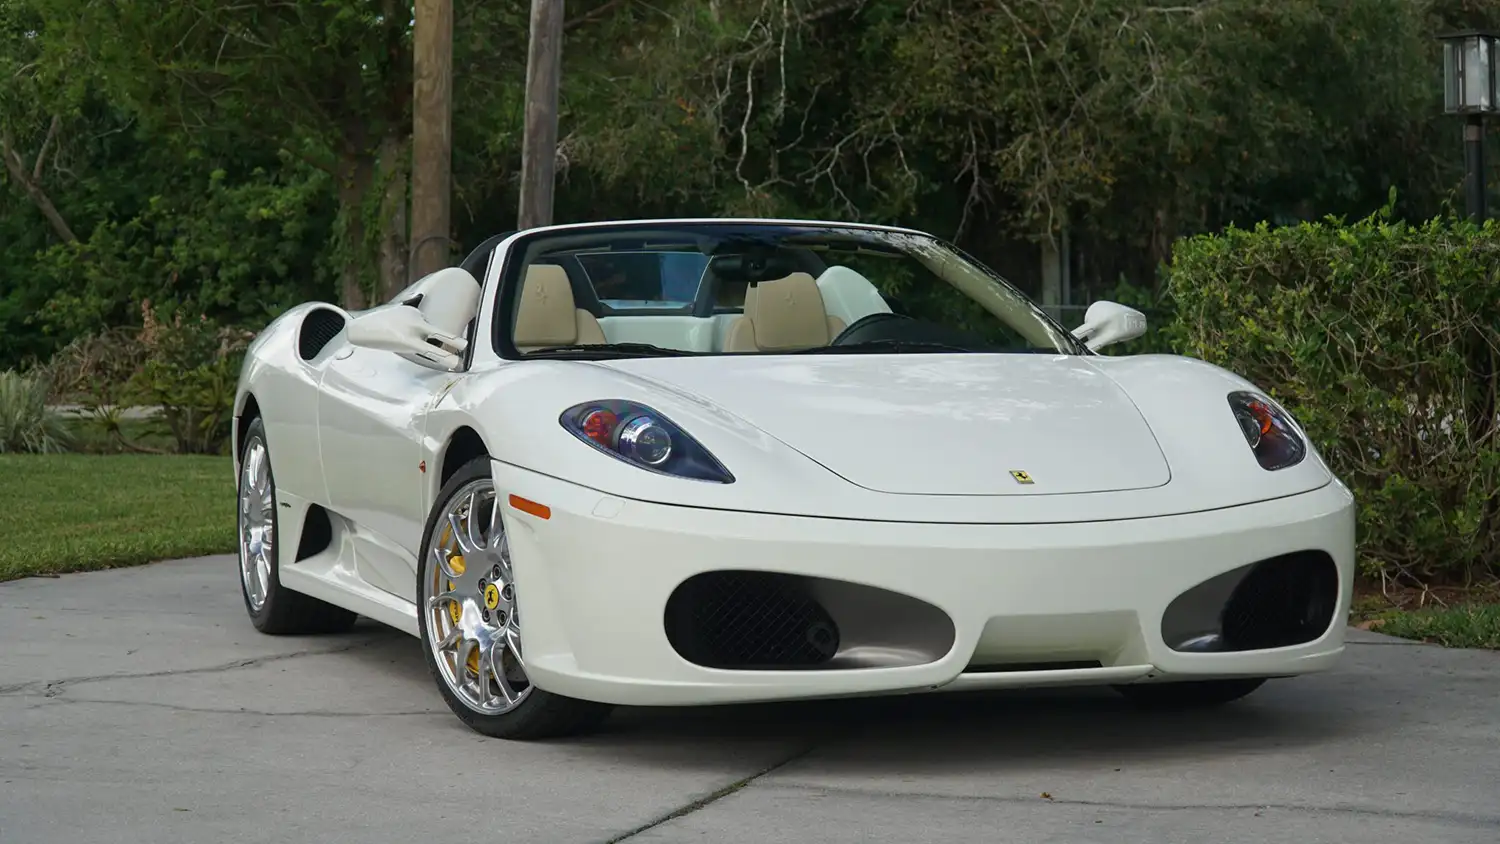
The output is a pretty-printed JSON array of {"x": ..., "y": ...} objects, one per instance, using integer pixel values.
[
  {"x": 546, "y": 315},
  {"x": 787, "y": 313}
]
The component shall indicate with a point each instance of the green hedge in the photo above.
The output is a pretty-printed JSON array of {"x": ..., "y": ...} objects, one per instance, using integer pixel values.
[{"x": 1383, "y": 339}]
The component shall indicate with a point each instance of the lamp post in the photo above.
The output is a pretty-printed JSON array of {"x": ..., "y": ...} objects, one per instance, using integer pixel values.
[{"x": 1469, "y": 89}]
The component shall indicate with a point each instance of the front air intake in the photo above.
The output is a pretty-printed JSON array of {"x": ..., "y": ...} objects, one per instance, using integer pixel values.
[
  {"x": 1277, "y": 602},
  {"x": 749, "y": 620},
  {"x": 1284, "y": 601}
]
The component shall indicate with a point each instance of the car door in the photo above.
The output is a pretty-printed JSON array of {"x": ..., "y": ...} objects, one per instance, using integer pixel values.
[{"x": 371, "y": 411}]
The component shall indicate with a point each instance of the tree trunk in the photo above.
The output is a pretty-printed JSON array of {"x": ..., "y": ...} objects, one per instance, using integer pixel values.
[
  {"x": 355, "y": 175},
  {"x": 539, "y": 136},
  {"x": 30, "y": 183},
  {"x": 432, "y": 136},
  {"x": 394, "y": 176}
]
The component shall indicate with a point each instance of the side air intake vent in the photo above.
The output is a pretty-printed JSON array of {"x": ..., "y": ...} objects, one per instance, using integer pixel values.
[{"x": 319, "y": 328}]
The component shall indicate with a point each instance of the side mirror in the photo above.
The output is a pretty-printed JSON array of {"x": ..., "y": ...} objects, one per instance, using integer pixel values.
[
  {"x": 402, "y": 329},
  {"x": 1107, "y": 323},
  {"x": 424, "y": 324}
]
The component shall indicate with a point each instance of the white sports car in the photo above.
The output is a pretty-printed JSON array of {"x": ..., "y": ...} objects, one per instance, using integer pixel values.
[{"x": 722, "y": 461}]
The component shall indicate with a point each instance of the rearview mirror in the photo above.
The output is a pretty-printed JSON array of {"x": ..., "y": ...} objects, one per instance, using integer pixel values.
[
  {"x": 424, "y": 324},
  {"x": 1107, "y": 323}
]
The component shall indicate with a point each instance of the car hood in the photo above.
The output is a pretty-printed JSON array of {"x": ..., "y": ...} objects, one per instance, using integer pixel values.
[{"x": 938, "y": 424}]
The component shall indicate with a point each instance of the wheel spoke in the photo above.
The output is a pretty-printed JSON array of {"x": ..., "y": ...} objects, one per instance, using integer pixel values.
[
  {"x": 252, "y": 582},
  {"x": 471, "y": 522},
  {"x": 497, "y": 664},
  {"x": 441, "y": 598},
  {"x": 503, "y": 555},
  {"x": 259, "y": 468},
  {"x": 494, "y": 520},
  {"x": 488, "y": 677},
  {"x": 444, "y": 563},
  {"x": 513, "y": 639},
  {"x": 461, "y": 658},
  {"x": 461, "y": 536},
  {"x": 450, "y": 640}
]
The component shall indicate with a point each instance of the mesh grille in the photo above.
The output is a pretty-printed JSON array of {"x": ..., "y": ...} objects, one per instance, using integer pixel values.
[
  {"x": 319, "y": 328},
  {"x": 746, "y": 620},
  {"x": 1283, "y": 601}
]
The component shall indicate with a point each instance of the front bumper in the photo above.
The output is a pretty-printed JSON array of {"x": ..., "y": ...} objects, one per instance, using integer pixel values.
[{"x": 938, "y": 606}]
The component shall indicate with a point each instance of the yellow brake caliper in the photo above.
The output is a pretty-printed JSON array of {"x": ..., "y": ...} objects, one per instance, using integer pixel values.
[{"x": 455, "y": 612}]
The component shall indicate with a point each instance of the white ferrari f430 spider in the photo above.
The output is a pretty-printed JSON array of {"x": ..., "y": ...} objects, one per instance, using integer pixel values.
[{"x": 686, "y": 462}]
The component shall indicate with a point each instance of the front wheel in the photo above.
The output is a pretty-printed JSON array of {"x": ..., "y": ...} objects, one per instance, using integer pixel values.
[
  {"x": 471, "y": 634},
  {"x": 1200, "y": 694}
]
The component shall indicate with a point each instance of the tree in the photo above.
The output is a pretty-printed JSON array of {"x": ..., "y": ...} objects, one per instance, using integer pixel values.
[
  {"x": 329, "y": 81},
  {"x": 32, "y": 108},
  {"x": 1131, "y": 123}
]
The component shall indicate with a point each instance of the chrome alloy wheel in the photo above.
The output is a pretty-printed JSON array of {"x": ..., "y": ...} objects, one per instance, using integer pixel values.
[
  {"x": 470, "y": 600},
  {"x": 257, "y": 523}
]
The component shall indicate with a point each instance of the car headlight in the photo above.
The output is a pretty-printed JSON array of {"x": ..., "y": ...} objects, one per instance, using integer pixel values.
[
  {"x": 1268, "y": 430},
  {"x": 640, "y": 436}
]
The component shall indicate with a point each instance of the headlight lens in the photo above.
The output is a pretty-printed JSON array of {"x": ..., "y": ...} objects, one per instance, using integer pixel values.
[
  {"x": 1268, "y": 431},
  {"x": 639, "y": 435}
]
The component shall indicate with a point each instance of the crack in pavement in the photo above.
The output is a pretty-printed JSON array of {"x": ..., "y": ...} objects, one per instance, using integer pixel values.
[
  {"x": 209, "y": 710},
  {"x": 53, "y": 688},
  {"x": 1486, "y": 822},
  {"x": 56, "y": 608},
  {"x": 708, "y": 800}
]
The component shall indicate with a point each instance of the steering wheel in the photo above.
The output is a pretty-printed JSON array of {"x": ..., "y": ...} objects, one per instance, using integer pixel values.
[{"x": 863, "y": 323}]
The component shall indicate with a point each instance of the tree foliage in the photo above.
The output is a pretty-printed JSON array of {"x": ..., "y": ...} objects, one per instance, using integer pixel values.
[
  {"x": 238, "y": 157},
  {"x": 221, "y": 161}
]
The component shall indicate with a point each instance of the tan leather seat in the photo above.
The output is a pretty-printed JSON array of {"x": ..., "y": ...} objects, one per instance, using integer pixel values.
[
  {"x": 548, "y": 316},
  {"x": 783, "y": 315}
]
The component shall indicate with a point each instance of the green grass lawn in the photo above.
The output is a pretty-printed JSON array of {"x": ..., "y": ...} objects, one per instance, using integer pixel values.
[
  {"x": 1452, "y": 616},
  {"x": 1472, "y": 626},
  {"x": 78, "y": 512},
  {"x": 1474, "y": 623}
]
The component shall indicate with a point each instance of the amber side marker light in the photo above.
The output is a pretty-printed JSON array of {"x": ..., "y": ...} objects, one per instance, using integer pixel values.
[{"x": 526, "y": 505}]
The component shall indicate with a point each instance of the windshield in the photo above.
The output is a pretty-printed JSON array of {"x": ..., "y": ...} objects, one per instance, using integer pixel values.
[{"x": 725, "y": 288}]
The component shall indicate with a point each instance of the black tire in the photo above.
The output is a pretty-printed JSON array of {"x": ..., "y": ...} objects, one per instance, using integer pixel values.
[
  {"x": 284, "y": 612},
  {"x": 1201, "y": 694},
  {"x": 541, "y": 714}
]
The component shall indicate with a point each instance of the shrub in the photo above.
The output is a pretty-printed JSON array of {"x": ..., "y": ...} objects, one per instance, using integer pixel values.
[
  {"x": 185, "y": 366},
  {"x": 94, "y": 370},
  {"x": 26, "y": 423},
  {"x": 190, "y": 370},
  {"x": 1382, "y": 339}
]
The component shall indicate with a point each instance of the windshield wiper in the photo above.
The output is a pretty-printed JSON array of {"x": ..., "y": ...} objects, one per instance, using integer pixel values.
[
  {"x": 897, "y": 346},
  {"x": 586, "y": 351}
]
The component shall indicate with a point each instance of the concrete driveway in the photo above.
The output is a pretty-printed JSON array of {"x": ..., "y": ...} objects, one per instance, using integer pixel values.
[{"x": 140, "y": 706}]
